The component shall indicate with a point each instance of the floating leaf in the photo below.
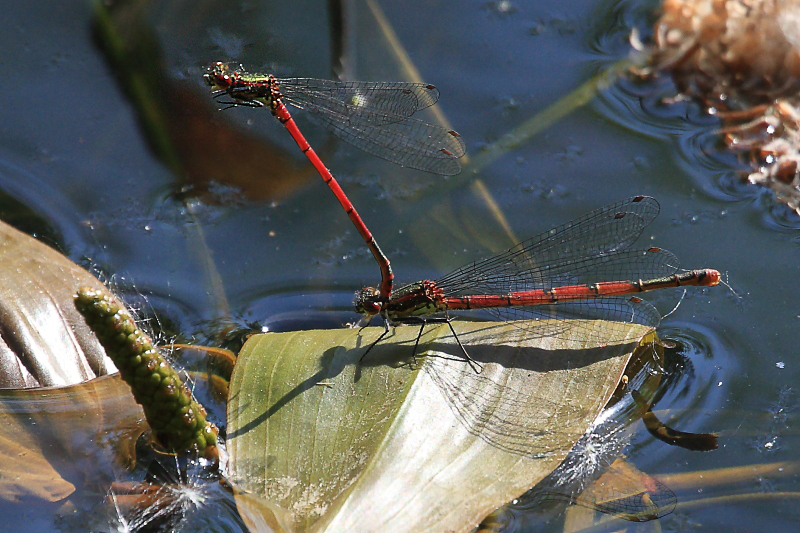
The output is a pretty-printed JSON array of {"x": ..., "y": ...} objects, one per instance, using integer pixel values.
[
  {"x": 67, "y": 437},
  {"x": 25, "y": 472},
  {"x": 621, "y": 492},
  {"x": 324, "y": 443},
  {"x": 44, "y": 341}
]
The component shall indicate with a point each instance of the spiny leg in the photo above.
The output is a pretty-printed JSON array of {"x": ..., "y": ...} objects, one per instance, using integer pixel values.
[
  {"x": 371, "y": 346},
  {"x": 369, "y": 319},
  {"x": 476, "y": 367},
  {"x": 234, "y": 101},
  {"x": 416, "y": 344}
]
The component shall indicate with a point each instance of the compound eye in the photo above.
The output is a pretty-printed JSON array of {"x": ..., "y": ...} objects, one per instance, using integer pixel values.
[{"x": 372, "y": 308}]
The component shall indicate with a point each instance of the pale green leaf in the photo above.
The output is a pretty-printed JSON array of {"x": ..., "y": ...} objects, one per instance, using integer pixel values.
[{"x": 328, "y": 444}]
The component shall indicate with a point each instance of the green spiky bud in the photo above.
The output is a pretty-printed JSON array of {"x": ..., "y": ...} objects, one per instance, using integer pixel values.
[{"x": 177, "y": 420}]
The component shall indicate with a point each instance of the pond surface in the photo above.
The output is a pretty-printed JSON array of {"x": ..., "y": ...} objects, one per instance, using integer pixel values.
[{"x": 78, "y": 169}]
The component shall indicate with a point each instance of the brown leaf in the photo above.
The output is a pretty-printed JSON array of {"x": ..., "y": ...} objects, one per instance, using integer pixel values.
[
  {"x": 65, "y": 438},
  {"x": 44, "y": 342}
]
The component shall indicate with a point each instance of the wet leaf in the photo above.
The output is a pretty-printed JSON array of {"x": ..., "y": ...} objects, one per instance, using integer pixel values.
[
  {"x": 60, "y": 439},
  {"x": 624, "y": 492},
  {"x": 43, "y": 340},
  {"x": 326, "y": 444},
  {"x": 24, "y": 472}
]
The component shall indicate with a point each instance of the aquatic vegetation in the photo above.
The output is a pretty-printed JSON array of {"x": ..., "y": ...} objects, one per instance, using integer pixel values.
[
  {"x": 178, "y": 421},
  {"x": 741, "y": 61}
]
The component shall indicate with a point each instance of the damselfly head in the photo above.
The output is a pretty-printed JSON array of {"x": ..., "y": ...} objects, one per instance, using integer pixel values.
[
  {"x": 367, "y": 301},
  {"x": 219, "y": 75}
]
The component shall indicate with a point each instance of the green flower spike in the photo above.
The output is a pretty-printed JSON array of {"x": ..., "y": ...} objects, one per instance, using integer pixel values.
[{"x": 177, "y": 420}]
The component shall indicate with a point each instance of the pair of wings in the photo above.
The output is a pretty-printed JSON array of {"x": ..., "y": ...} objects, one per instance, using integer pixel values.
[
  {"x": 588, "y": 250},
  {"x": 375, "y": 117}
]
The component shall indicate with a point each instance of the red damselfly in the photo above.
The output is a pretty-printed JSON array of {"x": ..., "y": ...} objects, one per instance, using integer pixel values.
[
  {"x": 373, "y": 116},
  {"x": 582, "y": 269}
]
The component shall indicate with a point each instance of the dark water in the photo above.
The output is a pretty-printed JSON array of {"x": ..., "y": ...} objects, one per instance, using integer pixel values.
[{"x": 73, "y": 152}]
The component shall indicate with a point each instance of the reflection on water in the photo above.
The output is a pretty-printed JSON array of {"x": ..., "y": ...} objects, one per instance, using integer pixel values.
[{"x": 78, "y": 459}]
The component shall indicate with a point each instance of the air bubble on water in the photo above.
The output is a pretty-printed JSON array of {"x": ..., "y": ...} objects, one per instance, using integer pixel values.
[
  {"x": 780, "y": 410},
  {"x": 501, "y": 7}
]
